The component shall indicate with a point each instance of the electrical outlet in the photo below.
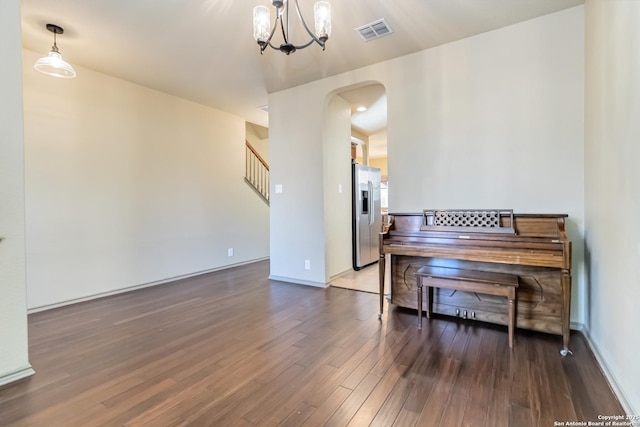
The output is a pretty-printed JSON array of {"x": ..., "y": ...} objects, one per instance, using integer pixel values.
[
  {"x": 307, "y": 264},
  {"x": 230, "y": 252}
]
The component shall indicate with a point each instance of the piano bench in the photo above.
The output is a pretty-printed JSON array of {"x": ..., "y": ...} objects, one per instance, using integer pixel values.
[{"x": 483, "y": 282}]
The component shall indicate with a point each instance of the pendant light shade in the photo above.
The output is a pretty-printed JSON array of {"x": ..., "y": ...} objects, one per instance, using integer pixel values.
[{"x": 53, "y": 64}]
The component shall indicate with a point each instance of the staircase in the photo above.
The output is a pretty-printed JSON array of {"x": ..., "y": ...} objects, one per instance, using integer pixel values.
[{"x": 256, "y": 172}]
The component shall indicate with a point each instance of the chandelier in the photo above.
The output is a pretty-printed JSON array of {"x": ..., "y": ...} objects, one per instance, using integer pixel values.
[{"x": 263, "y": 32}]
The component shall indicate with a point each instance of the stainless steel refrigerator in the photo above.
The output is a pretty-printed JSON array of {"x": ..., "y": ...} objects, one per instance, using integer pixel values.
[{"x": 367, "y": 215}]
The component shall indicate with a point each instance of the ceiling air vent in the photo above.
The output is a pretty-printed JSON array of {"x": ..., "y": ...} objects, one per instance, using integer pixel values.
[{"x": 374, "y": 30}]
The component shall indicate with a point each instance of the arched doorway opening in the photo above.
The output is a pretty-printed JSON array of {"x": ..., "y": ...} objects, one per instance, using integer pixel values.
[{"x": 367, "y": 124}]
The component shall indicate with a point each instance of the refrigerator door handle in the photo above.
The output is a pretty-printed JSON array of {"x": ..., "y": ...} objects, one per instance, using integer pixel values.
[{"x": 371, "y": 212}]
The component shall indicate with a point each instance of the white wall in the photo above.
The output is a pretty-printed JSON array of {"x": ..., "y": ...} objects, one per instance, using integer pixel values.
[
  {"x": 495, "y": 120},
  {"x": 337, "y": 186},
  {"x": 127, "y": 186},
  {"x": 296, "y": 164},
  {"x": 14, "y": 363},
  {"x": 501, "y": 121},
  {"x": 258, "y": 137},
  {"x": 380, "y": 163},
  {"x": 612, "y": 151}
]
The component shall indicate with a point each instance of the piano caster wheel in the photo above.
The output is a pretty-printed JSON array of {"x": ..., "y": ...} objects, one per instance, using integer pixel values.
[
  {"x": 379, "y": 316},
  {"x": 565, "y": 351}
]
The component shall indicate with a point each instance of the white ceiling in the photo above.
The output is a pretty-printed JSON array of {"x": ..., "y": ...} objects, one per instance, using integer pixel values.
[
  {"x": 373, "y": 97},
  {"x": 203, "y": 50}
]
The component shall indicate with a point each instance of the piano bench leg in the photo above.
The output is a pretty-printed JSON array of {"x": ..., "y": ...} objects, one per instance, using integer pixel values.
[
  {"x": 420, "y": 303},
  {"x": 511, "y": 325}
]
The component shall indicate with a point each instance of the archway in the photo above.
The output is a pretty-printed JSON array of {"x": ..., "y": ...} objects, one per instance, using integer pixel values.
[{"x": 362, "y": 110}]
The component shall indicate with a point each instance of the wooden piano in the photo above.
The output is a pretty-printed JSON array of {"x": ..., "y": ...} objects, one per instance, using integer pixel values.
[{"x": 532, "y": 246}]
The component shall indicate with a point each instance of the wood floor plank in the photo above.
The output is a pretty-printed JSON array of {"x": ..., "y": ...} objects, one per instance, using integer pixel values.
[
  {"x": 233, "y": 348},
  {"x": 453, "y": 414},
  {"x": 226, "y": 410},
  {"x": 498, "y": 411},
  {"x": 367, "y": 365},
  {"x": 279, "y": 406},
  {"x": 519, "y": 374},
  {"x": 555, "y": 398},
  {"x": 481, "y": 380},
  {"x": 427, "y": 369},
  {"x": 388, "y": 358},
  {"x": 521, "y": 417},
  {"x": 372, "y": 404},
  {"x": 327, "y": 387},
  {"x": 582, "y": 373},
  {"x": 439, "y": 397},
  {"x": 272, "y": 394},
  {"x": 154, "y": 394},
  {"x": 169, "y": 411},
  {"x": 328, "y": 407},
  {"x": 406, "y": 419},
  {"x": 297, "y": 417},
  {"x": 457, "y": 349},
  {"x": 394, "y": 403},
  {"x": 352, "y": 403}
]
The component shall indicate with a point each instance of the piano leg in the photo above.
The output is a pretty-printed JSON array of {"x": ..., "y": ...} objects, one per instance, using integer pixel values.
[
  {"x": 566, "y": 312},
  {"x": 381, "y": 265}
]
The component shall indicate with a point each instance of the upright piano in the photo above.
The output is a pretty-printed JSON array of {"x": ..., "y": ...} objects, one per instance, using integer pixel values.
[{"x": 534, "y": 247}]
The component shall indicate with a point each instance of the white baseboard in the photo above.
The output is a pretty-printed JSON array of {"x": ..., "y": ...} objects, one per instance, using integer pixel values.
[
  {"x": 16, "y": 375},
  {"x": 136, "y": 287},
  {"x": 299, "y": 282},
  {"x": 606, "y": 370},
  {"x": 576, "y": 326}
]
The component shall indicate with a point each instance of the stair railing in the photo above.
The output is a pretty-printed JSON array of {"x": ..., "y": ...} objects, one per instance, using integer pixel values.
[{"x": 256, "y": 172}]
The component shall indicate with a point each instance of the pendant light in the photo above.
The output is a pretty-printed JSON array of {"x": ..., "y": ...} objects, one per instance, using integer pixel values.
[{"x": 53, "y": 64}]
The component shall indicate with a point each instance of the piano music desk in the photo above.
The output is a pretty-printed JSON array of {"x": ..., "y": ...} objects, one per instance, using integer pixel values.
[{"x": 483, "y": 282}]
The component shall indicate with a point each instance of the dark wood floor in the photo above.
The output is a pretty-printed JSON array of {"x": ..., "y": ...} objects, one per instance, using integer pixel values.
[{"x": 232, "y": 348}]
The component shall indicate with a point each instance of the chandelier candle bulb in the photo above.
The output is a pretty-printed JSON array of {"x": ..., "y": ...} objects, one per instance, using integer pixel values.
[
  {"x": 322, "y": 17},
  {"x": 261, "y": 20}
]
